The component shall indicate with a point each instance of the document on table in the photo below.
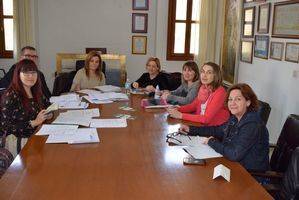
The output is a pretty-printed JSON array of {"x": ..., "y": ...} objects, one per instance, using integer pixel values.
[
  {"x": 79, "y": 136},
  {"x": 66, "y": 119},
  {"x": 108, "y": 123},
  {"x": 66, "y": 97},
  {"x": 81, "y": 113},
  {"x": 73, "y": 105},
  {"x": 202, "y": 151},
  {"x": 108, "y": 88},
  {"x": 95, "y": 101},
  {"x": 185, "y": 140},
  {"x": 48, "y": 129}
]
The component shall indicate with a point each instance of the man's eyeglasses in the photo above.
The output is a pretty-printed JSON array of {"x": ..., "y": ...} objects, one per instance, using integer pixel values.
[{"x": 30, "y": 56}]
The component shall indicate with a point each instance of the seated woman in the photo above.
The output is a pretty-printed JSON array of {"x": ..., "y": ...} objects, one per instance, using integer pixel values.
[
  {"x": 23, "y": 103},
  {"x": 188, "y": 90},
  {"x": 148, "y": 81},
  {"x": 244, "y": 138},
  {"x": 91, "y": 75},
  {"x": 208, "y": 108}
]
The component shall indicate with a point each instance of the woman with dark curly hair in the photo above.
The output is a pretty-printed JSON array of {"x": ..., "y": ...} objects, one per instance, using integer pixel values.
[{"x": 244, "y": 138}]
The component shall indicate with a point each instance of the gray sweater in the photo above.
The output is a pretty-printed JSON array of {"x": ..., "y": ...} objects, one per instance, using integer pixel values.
[{"x": 183, "y": 95}]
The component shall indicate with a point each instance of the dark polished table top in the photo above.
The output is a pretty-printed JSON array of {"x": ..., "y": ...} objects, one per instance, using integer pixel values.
[{"x": 129, "y": 163}]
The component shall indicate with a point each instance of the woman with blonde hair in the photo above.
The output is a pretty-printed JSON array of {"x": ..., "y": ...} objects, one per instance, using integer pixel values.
[
  {"x": 148, "y": 81},
  {"x": 91, "y": 75}
]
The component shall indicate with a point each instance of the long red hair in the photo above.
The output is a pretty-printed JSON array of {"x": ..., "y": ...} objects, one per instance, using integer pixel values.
[{"x": 17, "y": 85}]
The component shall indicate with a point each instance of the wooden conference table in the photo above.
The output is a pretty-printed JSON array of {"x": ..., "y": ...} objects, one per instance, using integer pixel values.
[{"x": 129, "y": 163}]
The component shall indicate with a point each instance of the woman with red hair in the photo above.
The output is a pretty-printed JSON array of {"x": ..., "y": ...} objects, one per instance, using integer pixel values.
[{"x": 23, "y": 103}]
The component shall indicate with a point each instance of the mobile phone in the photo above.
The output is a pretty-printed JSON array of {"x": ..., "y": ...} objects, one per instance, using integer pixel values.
[{"x": 193, "y": 161}]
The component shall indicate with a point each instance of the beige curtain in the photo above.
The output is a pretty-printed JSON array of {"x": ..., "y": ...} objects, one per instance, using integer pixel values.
[
  {"x": 23, "y": 25},
  {"x": 208, "y": 31}
]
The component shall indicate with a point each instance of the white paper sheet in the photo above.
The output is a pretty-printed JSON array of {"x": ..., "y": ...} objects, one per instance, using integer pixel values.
[
  {"x": 202, "y": 151},
  {"x": 95, "y": 101},
  {"x": 66, "y": 97},
  {"x": 82, "y": 113},
  {"x": 79, "y": 136},
  {"x": 62, "y": 119},
  {"x": 108, "y": 123},
  {"x": 108, "y": 88},
  {"x": 221, "y": 170},
  {"x": 48, "y": 129}
]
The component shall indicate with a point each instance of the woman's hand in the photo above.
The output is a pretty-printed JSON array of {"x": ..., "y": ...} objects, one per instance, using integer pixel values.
[
  {"x": 150, "y": 88},
  {"x": 206, "y": 140},
  {"x": 165, "y": 94},
  {"x": 135, "y": 85},
  {"x": 77, "y": 87},
  {"x": 40, "y": 118},
  {"x": 184, "y": 129},
  {"x": 174, "y": 113}
]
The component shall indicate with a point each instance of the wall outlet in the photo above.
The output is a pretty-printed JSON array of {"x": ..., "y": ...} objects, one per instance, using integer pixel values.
[{"x": 295, "y": 73}]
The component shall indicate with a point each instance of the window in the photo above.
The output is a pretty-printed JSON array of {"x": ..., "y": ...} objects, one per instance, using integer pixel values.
[
  {"x": 6, "y": 28},
  {"x": 183, "y": 29}
]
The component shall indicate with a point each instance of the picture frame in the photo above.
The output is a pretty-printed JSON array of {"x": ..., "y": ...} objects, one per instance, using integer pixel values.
[
  {"x": 261, "y": 46},
  {"x": 246, "y": 51},
  {"x": 139, "y": 44},
  {"x": 276, "y": 50},
  {"x": 139, "y": 22},
  {"x": 99, "y": 50},
  {"x": 140, "y": 5},
  {"x": 248, "y": 22},
  {"x": 264, "y": 18},
  {"x": 292, "y": 52},
  {"x": 286, "y": 19}
]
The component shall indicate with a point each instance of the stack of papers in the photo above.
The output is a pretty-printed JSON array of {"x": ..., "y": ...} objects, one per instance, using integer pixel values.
[
  {"x": 78, "y": 117},
  {"x": 48, "y": 129},
  {"x": 108, "y": 123},
  {"x": 96, "y": 101},
  {"x": 78, "y": 136},
  {"x": 108, "y": 88},
  {"x": 111, "y": 96},
  {"x": 202, "y": 151},
  {"x": 69, "y": 101}
]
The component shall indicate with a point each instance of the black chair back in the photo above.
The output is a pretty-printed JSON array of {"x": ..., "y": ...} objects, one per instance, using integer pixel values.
[
  {"x": 290, "y": 181},
  {"x": 264, "y": 111},
  {"x": 174, "y": 80},
  {"x": 287, "y": 142},
  {"x": 63, "y": 83}
]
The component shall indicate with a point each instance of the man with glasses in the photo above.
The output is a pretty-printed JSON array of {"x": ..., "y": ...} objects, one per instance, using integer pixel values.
[{"x": 27, "y": 52}]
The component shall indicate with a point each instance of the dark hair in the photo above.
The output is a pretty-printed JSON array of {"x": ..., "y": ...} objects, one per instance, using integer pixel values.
[
  {"x": 27, "y": 48},
  {"x": 247, "y": 93},
  {"x": 217, "y": 82},
  {"x": 191, "y": 65},
  {"x": 156, "y": 60},
  {"x": 16, "y": 85},
  {"x": 89, "y": 56}
]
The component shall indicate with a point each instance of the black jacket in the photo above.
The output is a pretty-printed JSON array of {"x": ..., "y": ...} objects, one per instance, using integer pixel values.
[
  {"x": 6, "y": 80},
  {"x": 246, "y": 141}
]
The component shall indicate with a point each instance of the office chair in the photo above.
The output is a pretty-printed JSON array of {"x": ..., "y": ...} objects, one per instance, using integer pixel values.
[
  {"x": 287, "y": 142},
  {"x": 288, "y": 187},
  {"x": 264, "y": 111}
]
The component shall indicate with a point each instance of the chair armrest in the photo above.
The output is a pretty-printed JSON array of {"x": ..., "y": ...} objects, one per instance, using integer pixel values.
[{"x": 267, "y": 174}]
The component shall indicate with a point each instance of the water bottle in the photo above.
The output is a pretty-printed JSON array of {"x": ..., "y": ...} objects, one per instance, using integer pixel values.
[
  {"x": 128, "y": 86},
  {"x": 157, "y": 92}
]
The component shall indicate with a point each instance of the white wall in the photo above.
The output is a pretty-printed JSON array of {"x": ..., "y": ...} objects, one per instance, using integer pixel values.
[
  {"x": 68, "y": 26},
  {"x": 273, "y": 82}
]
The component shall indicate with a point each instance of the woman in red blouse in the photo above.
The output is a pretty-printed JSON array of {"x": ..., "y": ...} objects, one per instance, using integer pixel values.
[{"x": 208, "y": 108}]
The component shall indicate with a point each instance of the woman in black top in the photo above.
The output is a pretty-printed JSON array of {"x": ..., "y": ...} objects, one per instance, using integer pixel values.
[
  {"x": 22, "y": 105},
  {"x": 148, "y": 81}
]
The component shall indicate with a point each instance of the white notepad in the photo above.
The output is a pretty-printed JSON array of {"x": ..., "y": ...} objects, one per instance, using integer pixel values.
[
  {"x": 108, "y": 123},
  {"x": 79, "y": 136},
  {"x": 48, "y": 129},
  {"x": 202, "y": 151}
]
